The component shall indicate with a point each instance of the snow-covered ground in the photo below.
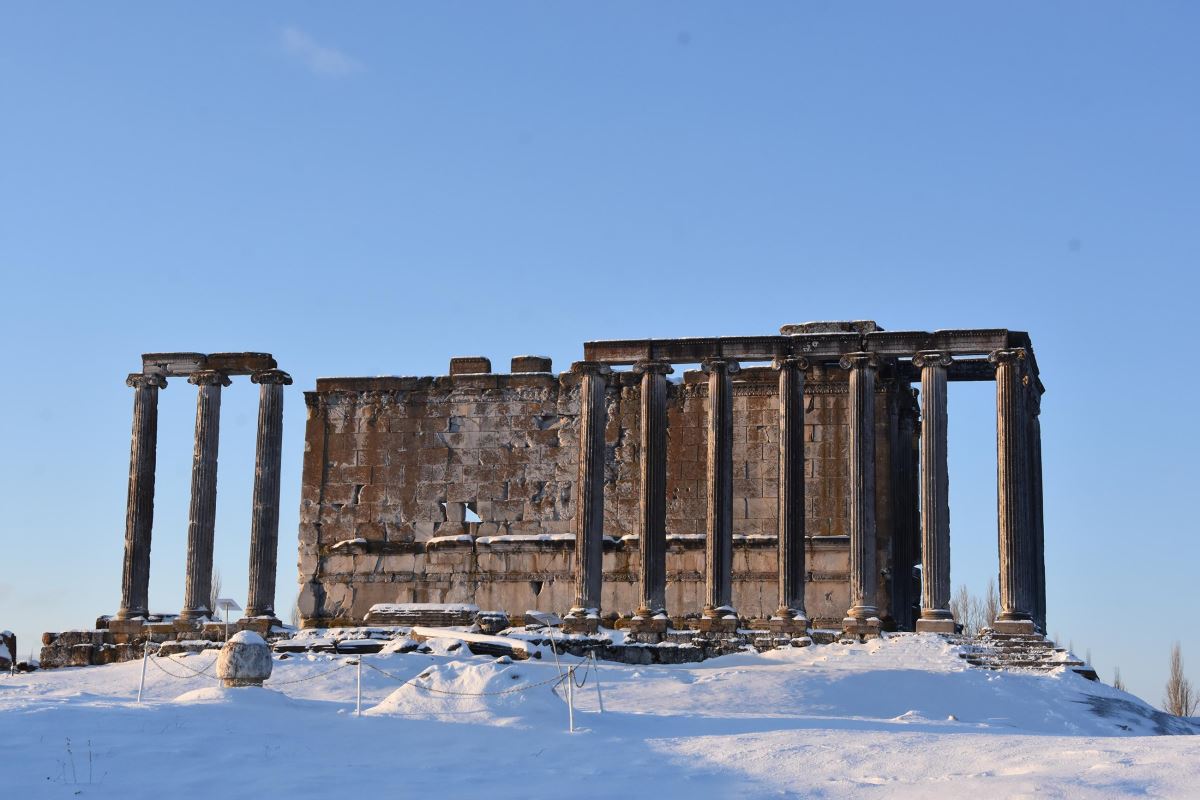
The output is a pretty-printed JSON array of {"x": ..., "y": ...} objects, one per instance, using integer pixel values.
[{"x": 902, "y": 717}]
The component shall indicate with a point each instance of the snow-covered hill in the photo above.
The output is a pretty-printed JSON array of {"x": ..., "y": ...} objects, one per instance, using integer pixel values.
[{"x": 901, "y": 717}]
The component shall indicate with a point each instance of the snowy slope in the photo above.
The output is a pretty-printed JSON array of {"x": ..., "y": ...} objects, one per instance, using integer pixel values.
[{"x": 901, "y": 717}]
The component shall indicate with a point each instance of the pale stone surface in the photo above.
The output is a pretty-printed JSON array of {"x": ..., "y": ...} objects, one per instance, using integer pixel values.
[{"x": 245, "y": 660}]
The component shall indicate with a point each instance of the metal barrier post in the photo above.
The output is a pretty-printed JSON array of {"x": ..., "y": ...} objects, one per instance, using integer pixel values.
[
  {"x": 571, "y": 699},
  {"x": 358, "y": 694},
  {"x": 145, "y": 657},
  {"x": 596, "y": 669}
]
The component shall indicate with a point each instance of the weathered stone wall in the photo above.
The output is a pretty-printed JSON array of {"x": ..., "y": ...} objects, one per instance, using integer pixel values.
[{"x": 396, "y": 471}]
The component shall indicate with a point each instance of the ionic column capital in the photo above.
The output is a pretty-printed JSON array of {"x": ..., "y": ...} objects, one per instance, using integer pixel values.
[
  {"x": 654, "y": 367},
  {"x": 1014, "y": 355},
  {"x": 271, "y": 376},
  {"x": 859, "y": 360},
  {"x": 798, "y": 362},
  {"x": 139, "y": 380},
  {"x": 590, "y": 368},
  {"x": 726, "y": 365},
  {"x": 932, "y": 358},
  {"x": 209, "y": 377}
]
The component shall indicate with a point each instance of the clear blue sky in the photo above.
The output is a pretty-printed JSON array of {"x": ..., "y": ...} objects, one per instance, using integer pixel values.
[{"x": 373, "y": 190}]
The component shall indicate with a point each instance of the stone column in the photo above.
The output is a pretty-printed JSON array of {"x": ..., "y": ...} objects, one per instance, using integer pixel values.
[
  {"x": 862, "y": 618},
  {"x": 719, "y": 614},
  {"x": 203, "y": 508},
  {"x": 791, "y": 615},
  {"x": 589, "y": 502},
  {"x": 1035, "y": 507},
  {"x": 139, "y": 509},
  {"x": 906, "y": 588},
  {"x": 264, "y": 521},
  {"x": 935, "y": 496},
  {"x": 1012, "y": 440},
  {"x": 653, "y": 505}
]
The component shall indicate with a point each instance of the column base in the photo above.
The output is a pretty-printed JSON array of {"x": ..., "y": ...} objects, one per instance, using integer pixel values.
[
  {"x": 935, "y": 625},
  {"x": 647, "y": 622},
  {"x": 861, "y": 627},
  {"x": 582, "y": 620},
  {"x": 722, "y": 619},
  {"x": 1019, "y": 626},
  {"x": 260, "y": 625},
  {"x": 128, "y": 627},
  {"x": 788, "y": 622}
]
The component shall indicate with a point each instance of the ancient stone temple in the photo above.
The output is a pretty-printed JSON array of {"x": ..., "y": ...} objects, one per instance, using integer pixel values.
[{"x": 788, "y": 481}]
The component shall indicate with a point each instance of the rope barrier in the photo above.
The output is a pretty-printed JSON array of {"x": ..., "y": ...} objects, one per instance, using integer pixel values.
[
  {"x": 195, "y": 673},
  {"x": 411, "y": 682},
  {"x": 343, "y": 665}
]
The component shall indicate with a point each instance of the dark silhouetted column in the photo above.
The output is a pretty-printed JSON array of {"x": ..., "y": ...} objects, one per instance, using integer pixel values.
[
  {"x": 264, "y": 521},
  {"x": 589, "y": 503},
  {"x": 203, "y": 509},
  {"x": 862, "y": 619},
  {"x": 139, "y": 510},
  {"x": 791, "y": 613}
]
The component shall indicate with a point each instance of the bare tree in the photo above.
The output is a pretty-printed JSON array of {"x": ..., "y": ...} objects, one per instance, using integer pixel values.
[
  {"x": 1117, "y": 682},
  {"x": 991, "y": 604},
  {"x": 1180, "y": 698},
  {"x": 214, "y": 593},
  {"x": 965, "y": 608},
  {"x": 295, "y": 616}
]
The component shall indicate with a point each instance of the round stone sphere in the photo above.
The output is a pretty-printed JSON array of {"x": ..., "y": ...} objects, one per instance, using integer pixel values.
[{"x": 245, "y": 660}]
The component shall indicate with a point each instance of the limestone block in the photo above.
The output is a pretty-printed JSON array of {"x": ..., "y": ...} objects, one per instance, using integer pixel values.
[
  {"x": 79, "y": 655},
  {"x": 245, "y": 660}
]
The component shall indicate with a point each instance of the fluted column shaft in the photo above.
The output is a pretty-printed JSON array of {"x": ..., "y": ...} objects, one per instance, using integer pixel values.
[
  {"x": 907, "y": 510},
  {"x": 139, "y": 509},
  {"x": 718, "y": 551},
  {"x": 589, "y": 508},
  {"x": 203, "y": 508},
  {"x": 653, "y": 506},
  {"x": 1012, "y": 439},
  {"x": 791, "y": 488},
  {"x": 863, "y": 571},
  {"x": 935, "y": 488},
  {"x": 1038, "y": 524},
  {"x": 264, "y": 520}
]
